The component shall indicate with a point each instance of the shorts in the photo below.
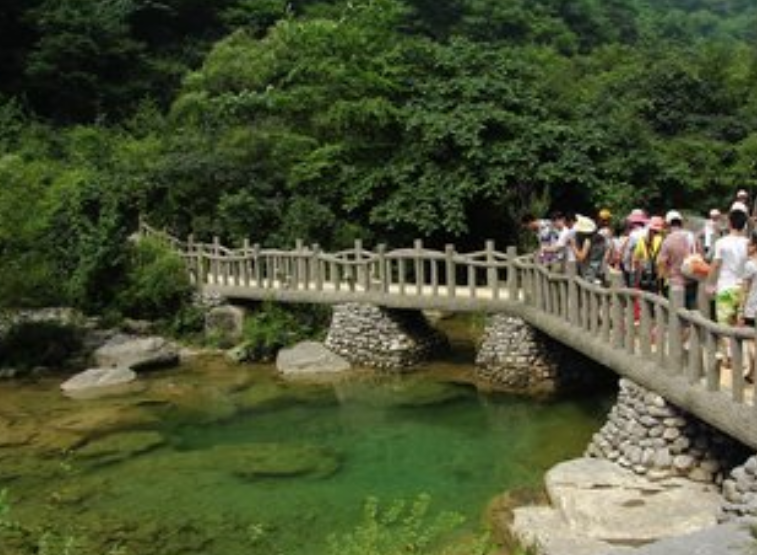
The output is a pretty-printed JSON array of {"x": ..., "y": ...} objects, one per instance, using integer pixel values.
[{"x": 727, "y": 305}]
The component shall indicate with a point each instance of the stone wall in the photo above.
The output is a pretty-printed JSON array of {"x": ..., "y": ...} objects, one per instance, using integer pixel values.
[
  {"x": 740, "y": 491},
  {"x": 516, "y": 357},
  {"x": 648, "y": 435},
  {"x": 383, "y": 338}
]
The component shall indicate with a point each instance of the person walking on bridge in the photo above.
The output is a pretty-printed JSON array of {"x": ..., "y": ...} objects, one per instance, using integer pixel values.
[
  {"x": 677, "y": 245},
  {"x": 727, "y": 272}
]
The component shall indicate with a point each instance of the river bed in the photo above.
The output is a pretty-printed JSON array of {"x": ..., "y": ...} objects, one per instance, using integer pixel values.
[{"x": 219, "y": 459}]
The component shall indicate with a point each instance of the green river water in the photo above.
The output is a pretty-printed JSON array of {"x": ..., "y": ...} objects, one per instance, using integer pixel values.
[{"x": 215, "y": 459}]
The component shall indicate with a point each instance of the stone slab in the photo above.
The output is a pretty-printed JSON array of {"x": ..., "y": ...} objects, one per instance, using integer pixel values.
[
  {"x": 609, "y": 503},
  {"x": 308, "y": 358},
  {"x": 726, "y": 539},
  {"x": 545, "y": 530}
]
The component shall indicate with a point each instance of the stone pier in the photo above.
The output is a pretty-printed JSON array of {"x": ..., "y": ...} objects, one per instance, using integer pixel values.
[
  {"x": 650, "y": 436},
  {"x": 383, "y": 338},
  {"x": 516, "y": 357}
]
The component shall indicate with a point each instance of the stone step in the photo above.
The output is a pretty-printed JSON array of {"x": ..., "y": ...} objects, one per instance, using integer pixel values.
[
  {"x": 726, "y": 539},
  {"x": 610, "y": 503},
  {"x": 598, "y": 507},
  {"x": 546, "y": 530}
]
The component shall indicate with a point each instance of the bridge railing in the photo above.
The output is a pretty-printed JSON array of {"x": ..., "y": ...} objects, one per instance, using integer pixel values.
[
  {"x": 414, "y": 271},
  {"x": 640, "y": 324},
  {"x": 681, "y": 342}
]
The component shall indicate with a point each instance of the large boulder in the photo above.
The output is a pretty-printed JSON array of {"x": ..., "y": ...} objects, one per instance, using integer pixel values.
[
  {"x": 225, "y": 324},
  {"x": 137, "y": 353},
  {"x": 596, "y": 504},
  {"x": 309, "y": 358},
  {"x": 100, "y": 382}
]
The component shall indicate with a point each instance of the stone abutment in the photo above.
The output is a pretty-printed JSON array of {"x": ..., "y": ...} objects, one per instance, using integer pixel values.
[{"x": 383, "y": 338}]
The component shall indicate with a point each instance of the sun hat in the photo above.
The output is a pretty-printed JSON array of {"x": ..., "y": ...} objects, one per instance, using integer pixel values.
[
  {"x": 738, "y": 205},
  {"x": 637, "y": 216},
  {"x": 673, "y": 215},
  {"x": 656, "y": 223},
  {"x": 714, "y": 213},
  {"x": 742, "y": 193},
  {"x": 584, "y": 225}
]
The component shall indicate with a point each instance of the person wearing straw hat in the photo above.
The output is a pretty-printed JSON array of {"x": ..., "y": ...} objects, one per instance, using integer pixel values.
[{"x": 589, "y": 249}]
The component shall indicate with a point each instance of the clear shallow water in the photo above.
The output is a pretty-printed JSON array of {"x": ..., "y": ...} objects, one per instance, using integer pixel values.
[{"x": 192, "y": 492}]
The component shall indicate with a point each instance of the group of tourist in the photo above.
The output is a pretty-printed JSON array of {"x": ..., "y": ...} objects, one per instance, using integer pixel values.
[{"x": 655, "y": 252}]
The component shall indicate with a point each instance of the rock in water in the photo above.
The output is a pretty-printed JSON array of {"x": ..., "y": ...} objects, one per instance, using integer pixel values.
[
  {"x": 137, "y": 353},
  {"x": 99, "y": 382},
  {"x": 308, "y": 358}
]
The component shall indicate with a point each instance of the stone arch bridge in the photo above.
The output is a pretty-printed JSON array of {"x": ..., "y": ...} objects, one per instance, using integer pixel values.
[{"x": 638, "y": 335}]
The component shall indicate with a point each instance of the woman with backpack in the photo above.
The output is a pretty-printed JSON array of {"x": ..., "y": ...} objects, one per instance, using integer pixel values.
[
  {"x": 589, "y": 247},
  {"x": 645, "y": 254}
]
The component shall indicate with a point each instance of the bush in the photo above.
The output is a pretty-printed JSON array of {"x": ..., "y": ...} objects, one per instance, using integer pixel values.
[
  {"x": 406, "y": 528},
  {"x": 157, "y": 284},
  {"x": 274, "y": 327}
]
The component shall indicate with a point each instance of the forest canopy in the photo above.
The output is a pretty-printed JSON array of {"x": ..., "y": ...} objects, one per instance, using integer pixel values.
[{"x": 383, "y": 120}]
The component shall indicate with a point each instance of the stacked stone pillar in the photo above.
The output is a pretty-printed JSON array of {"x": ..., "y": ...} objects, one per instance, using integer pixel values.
[
  {"x": 383, "y": 338},
  {"x": 652, "y": 437},
  {"x": 516, "y": 357}
]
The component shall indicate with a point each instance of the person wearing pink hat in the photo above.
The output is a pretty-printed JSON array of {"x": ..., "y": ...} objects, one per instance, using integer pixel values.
[{"x": 635, "y": 230}]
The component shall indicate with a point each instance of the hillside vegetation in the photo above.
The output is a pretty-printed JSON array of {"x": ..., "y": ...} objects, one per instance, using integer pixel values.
[{"x": 328, "y": 121}]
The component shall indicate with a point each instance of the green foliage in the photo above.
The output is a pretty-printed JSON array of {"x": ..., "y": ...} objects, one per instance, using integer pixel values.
[
  {"x": 157, "y": 285},
  {"x": 405, "y": 527},
  {"x": 327, "y": 121},
  {"x": 16, "y": 538},
  {"x": 274, "y": 326}
]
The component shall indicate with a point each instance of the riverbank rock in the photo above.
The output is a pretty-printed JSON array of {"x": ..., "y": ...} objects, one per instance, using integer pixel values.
[
  {"x": 137, "y": 353},
  {"x": 726, "y": 539},
  {"x": 100, "y": 382},
  {"x": 225, "y": 323},
  {"x": 596, "y": 505},
  {"x": 309, "y": 358}
]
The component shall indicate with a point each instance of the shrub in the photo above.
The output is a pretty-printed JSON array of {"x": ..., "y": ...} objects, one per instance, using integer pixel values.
[
  {"x": 406, "y": 527},
  {"x": 274, "y": 327},
  {"x": 157, "y": 283}
]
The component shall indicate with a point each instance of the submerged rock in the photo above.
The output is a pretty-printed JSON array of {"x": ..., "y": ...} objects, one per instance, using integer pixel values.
[
  {"x": 101, "y": 382},
  {"x": 118, "y": 447},
  {"x": 265, "y": 396},
  {"x": 95, "y": 421},
  {"x": 399, "y": 392},
  {"x": 278, "y": 460}
]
